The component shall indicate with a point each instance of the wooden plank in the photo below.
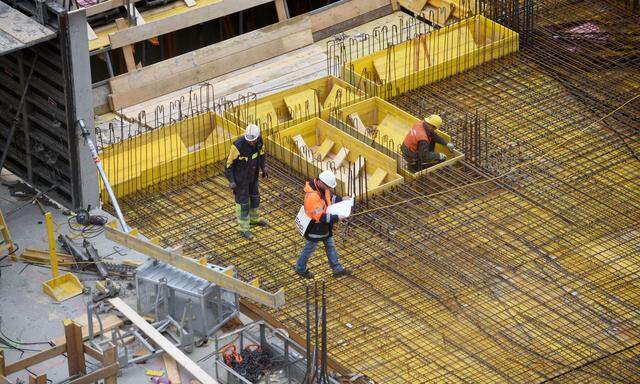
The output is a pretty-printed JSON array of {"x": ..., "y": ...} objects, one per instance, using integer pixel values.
[
  {"x": 110, "y": 358},
  {"x": 273, "y": 300},
  {"x": 183, "y": 360},
  {"x": 180, "y": 21},
  {"x": 96, "y": 354},
  {"x": 281, "y": 9},
  {"x": 357, "y": 123},
  {"x": 302, "y": 146},
  {"x": 35, "y": 359},
  {"x": 40, "y": 379},
  {"x": 2, "y": 361},
  {"x": 210, "y": 53},
  {"x": 109, "y": 322},
  {"x": 202, "y": 65},
  {"x": 97, "y": 375},
  {"x": 330, "y": 15},
  {"x": 127, "y": 50},
  {"x": 173, "y": 374},
  {"x": 190, "y": 3},
  {"x": 340, "y": 157},
  {"x": 377, "y": 178},
  {"x": 75, "y": 348},
  {"x": 324, "y": 149}
]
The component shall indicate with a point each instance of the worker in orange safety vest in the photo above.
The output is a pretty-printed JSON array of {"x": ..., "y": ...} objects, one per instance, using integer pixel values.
[
  {"x": 317, "y": 198},
  {"x": 418, "y": 147}
]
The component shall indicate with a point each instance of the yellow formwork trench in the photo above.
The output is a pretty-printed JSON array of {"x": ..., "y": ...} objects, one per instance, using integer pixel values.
[
  {"x": 297, "y": 104},
  {"x": 315, "y": 145},
  {"x": 431, "y": 57},
  {"x": 474, "y": 273},
  {"x": 163, "y": 153},
  {"x": 384, "y": 127}
]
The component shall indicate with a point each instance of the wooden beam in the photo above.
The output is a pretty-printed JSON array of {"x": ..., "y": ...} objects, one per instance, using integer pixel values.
[
  {"x": 40, "y": 379},
  {"x": 229, "y": 283},
  {"x": 35, "y": 359},
  {"x": 127, "y": 50},
  {"x": 183, "y": 360},
  {"x": 330, "y": 15},
  {"x": 3, "y": 371},
  {"x": 180, "y": 21},
  {"x": 97, "y": 375},
  {"x": 110, "y": 358},
  {"x": 75, "y": 348},
  {"x": 173, "y": 373},
  {"x": 109, "y": 322},
  {"x": 209, "y": 62},
  {"x": 281, "y": 9},
  {"x": 89, "y": 350}
]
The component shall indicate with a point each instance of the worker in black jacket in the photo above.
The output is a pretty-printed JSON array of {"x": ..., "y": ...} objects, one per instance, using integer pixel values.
[{"x": 246, "y": 158}]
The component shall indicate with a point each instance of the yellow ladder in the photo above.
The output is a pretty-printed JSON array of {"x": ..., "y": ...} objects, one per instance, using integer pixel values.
[{"x": 7, "y": 244}]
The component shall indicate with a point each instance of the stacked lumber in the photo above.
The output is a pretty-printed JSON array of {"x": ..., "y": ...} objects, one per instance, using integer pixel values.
[{"x": 214, "y": 60}]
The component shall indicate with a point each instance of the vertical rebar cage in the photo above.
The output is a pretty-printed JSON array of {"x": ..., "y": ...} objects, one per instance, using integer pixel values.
[{"x": 198, "y": 305}]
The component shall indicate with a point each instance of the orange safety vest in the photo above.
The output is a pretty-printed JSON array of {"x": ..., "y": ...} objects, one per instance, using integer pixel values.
[
  {"x": 415, "y": 136},
  {"x": 314, "y": 205}
]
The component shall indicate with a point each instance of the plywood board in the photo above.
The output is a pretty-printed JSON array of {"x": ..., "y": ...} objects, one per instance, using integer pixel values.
[{"x": 180, "y": 21}]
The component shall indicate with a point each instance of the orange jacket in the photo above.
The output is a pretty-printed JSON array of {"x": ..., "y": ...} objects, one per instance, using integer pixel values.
[
  {"x": 415, "y": 136},
  {"x": 314, "y": 205}
]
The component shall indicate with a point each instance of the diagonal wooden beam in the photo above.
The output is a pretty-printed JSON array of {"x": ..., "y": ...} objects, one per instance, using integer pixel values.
[{"x": 244, "y": 289}]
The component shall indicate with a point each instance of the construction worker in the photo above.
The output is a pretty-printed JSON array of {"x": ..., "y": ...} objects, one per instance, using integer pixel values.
[
  {"x": 246, "y": 157},
  {"x": 419, "y": 144},
  {"x": 317, "y": 198}
]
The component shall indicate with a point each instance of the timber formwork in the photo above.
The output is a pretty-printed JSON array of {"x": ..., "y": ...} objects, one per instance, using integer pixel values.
[{"x": 476, "y": 272}]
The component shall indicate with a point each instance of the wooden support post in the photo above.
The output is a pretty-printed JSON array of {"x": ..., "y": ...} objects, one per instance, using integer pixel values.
[
  {"x": 75, "y": 348},
  {"x": 127, "y": 50},
  {"x": 40, "y": 379},
  {"x": 281, "y": 8},
  {"x": 2, "y": 364},
  {"x": 110, "y": 358}
]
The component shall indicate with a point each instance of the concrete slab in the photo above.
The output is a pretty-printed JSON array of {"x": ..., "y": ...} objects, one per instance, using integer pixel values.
[{"x": 28, "y": 315}]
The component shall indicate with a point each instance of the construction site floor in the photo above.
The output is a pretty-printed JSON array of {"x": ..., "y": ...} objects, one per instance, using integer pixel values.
[
  {"x": 28, "y": 315},
  {"x": 521, "y": 266}
]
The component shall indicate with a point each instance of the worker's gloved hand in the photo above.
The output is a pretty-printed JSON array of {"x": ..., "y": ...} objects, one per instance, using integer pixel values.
[
  {"x": 265, "y": 173},
  {"x": 442, "y": 157},
  {"x": 232, "y": 185},
  {"x": 451, "y": 146}
]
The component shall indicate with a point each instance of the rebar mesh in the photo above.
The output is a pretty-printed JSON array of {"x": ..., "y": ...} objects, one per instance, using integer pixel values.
[{"x": 474, "y": 273}]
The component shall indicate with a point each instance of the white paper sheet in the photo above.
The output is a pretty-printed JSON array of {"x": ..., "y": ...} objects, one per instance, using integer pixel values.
[
  {"x": 342, "y": 208},
  {"x": 302, "y": 221}
]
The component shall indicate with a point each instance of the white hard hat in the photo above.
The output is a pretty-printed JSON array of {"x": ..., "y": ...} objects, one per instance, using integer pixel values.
[
  {"x": 328, "y": 178},
  {"x": 252, "y": 132}
]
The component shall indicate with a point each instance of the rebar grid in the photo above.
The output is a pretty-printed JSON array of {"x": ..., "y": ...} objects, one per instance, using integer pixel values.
[{"x": 530, "y": 277}]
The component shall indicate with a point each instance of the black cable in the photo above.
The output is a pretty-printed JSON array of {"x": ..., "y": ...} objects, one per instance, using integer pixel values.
[
  {"x": 86, "y": 231},
  {"x": 19, "y": 342}
]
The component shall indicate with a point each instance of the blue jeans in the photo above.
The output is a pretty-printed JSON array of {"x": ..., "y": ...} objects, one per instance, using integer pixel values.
[{"x": 310, "y": 246}]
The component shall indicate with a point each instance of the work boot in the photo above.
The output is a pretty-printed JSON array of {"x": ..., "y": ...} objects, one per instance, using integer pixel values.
[
  {"x": 342, "y": 272},
  {"x": 247, "y": 235},
  {"x": 306, "y": 274},
  {"x": 260, "y": 223}
]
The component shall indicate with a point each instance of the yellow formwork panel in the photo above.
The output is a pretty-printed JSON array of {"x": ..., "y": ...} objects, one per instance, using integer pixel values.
[
  {"x": 161, "y": 154},
  {"x": 321, "y": 137},
  {"x": 390, "y": 125},
  {"x": 431, "y": 57},
  {"x": 315, "y": 98}
]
